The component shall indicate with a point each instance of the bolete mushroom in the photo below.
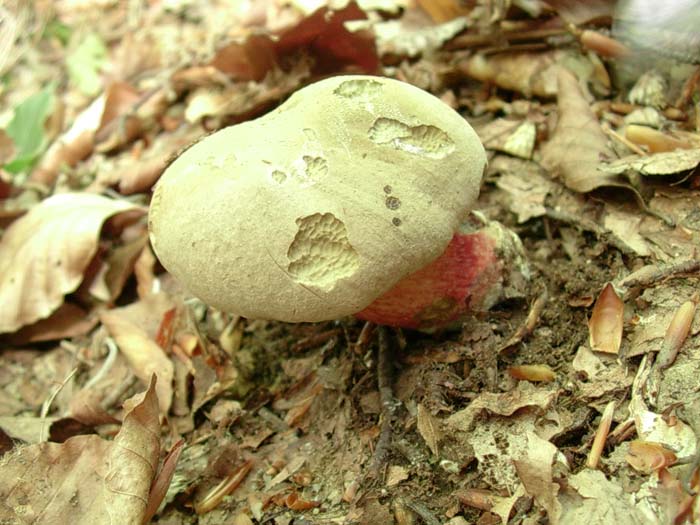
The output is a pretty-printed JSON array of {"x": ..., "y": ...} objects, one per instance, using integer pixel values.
[{"x": 317, "y": 209}]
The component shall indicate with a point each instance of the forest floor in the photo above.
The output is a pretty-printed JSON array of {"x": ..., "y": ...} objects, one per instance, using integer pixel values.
[{"x": 574, "y": 401}]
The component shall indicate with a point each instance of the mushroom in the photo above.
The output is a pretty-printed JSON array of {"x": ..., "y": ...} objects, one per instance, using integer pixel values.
[{"x": 345, "y": 192}]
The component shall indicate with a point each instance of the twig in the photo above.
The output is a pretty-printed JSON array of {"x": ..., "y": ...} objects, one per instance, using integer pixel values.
[
  {"x": 47, "y": 404},
  {"x": 385, "y": 378},
  {"x": 650, "y": 275},
  {"x": 420, "y": 509},
  {"x": 106, "y": 366},
  {"x": 531, "y": 321},
  {"x": 315, "y": 340},
  {"x": 623, "y": 140}
]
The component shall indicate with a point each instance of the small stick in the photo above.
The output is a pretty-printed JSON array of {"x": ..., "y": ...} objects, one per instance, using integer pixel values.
[
  {"x": 420, "y": 509},
  {"x": 649, "y": 275},
  {"x": 388, "y": 404},
  {"x": 530, "y": 323},
  {"x": 47, "y": 404},
  {"x": 623, "y": 140}
]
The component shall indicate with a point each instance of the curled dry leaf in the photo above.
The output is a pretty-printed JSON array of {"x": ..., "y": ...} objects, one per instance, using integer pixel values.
[
  {"x": 647, "y": 456},
  {"x": 677, "y": 332},
  {"x": 162, "y": 481},
  {"x": 227, "y": 485},
  {"x": 606, "y": 322},
  {"x": 144, "y": 355},
  {"x": 73, "y": 145},
  {"x": 86, "y": 480},
  {"x": 656, "y": 141},
  {"x": 534, "y": 373},
  {"x": 44, "y": 253}
]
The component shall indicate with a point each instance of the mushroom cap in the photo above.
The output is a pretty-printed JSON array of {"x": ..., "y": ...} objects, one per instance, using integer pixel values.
[{"x": 314, "y": 210}]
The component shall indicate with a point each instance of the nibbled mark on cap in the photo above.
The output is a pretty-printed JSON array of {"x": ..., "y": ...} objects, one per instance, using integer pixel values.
[
  {"x": 423, "y": 140},
  {"x": 316, "y": 167},
  {"x": 321, "y": 253},
  {"x": 362, "y": 88}
]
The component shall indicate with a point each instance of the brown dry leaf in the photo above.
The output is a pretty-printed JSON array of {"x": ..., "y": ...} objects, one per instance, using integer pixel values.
[
  {"x": 489, "y": 501},
  {"x": 534, "y": 373},
  {"x": 251, "y": 59},
  {"x": 535, "y": 471},
  {"x": 606, "y": 322},
  {"x": 73, "y": 145},
  {"x": 69, "y": 320},
  {"x": 7, "y": 152},
  {"x": 503, "y": 404},
  {"x": 654, "y": 140},
  {"x": 325, "y": 35},
  {"x": 526, "y": 73},
  {"x": 677, "y": 332},
  {"x": 624, "y": 223},
  {"x": 44, "y": 253},
  {"x": 144, "y": 355},
  {"x": 668, "y": 431},
  {"x": 160, "y": 484},
  {"x": 647, "y": 456},
  {"x": 85, "y": 407},
  {"x": 120, "y": 123},
  {"x": 137, "y": 173},
  {"x": 578, "y": 144},
  {"x": 244, "y": 99},
  {"x": 444, "y": 10},
  {"x": 86, "y": 480},
  {"x": 144, "y": 272},
  {"x": 596, "y": 379},
  {"x": 526, "y": 185},
  {"x": 429, "y": 428}
]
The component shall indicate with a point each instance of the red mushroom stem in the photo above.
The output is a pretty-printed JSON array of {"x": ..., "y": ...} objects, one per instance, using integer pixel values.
[{"x": 476, "y": 270}]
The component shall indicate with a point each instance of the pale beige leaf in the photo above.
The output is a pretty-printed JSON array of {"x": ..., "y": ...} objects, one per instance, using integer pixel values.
[
  {"x": 86, "y": 480},
  {"x": 44, "y": 253},
  {"x": 591, "y": 499},
  {"x": 145, "y": 357},
  {"x": 659, "y": 164},
  {"x": 535, "y": 471}
]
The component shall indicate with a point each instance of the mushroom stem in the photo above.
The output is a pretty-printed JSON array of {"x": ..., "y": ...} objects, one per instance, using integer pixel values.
[{"x": 478, "y": 269}]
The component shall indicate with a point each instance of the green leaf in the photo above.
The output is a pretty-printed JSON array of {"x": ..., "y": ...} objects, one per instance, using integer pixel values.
[
  {"x": 85, "y": 62},
  {"x": 58, "y": 30},
  {"x": 26, "y": 129}
]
